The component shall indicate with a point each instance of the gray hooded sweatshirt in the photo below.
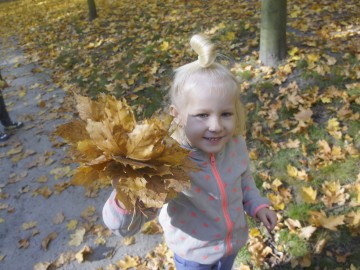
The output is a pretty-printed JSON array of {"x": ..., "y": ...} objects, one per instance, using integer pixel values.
[{"x": 206, "y": 222}]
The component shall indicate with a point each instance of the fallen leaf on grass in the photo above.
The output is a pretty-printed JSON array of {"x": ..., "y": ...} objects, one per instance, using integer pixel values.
[
  {"x": 334, "y": 193},
  {"x": 319, "y": 246},
  {"x": 307, "y": 232},
  {"x": 308, "y": 194},
  {"x": 320, "y": 219}
]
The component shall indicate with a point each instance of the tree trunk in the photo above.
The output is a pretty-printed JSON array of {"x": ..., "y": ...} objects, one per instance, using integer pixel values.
[
  {"x": 273, "y": 32},
  {"x": 92, "y": 9}
]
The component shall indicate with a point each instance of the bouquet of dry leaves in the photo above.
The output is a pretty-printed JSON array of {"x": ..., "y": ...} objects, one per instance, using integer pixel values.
[{"x": 109, "y": 144}]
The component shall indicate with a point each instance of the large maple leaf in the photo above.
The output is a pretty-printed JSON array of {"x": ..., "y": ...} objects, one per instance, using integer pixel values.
[{"x": 109, "y": 144}]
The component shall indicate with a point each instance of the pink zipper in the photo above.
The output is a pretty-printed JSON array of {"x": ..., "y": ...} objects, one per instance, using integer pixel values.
[{"x": 224, "y": 203}]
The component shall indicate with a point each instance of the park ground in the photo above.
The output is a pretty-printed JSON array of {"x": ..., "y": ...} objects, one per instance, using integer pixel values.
[{"x": 303, "y": 124}]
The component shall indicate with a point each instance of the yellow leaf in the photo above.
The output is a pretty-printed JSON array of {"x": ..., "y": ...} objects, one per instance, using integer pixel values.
[
  {"x": 72, "y": 224},
  {"x": 293, "y": 51},
  {"x": 81, "y": 254},
  {"x": 312, "y": 58},
  {"x": 145, "y": 141},
  {"x": 152, "y": 227},
  {"x": 253, "y": 154},
  {"x": 230, "y": 36},
  {"x": 276, "y": 201},
  {"x": 309, "y": 194},
  {"x": 77, "y": 237},
  {"x": 292, "y": 171},
  {"x": 128, "y": 241},
  {"x": 164, "y": 46},
  {"x": 29, "y": 225},
  {"x": 326, "y": 100},
  {"x": 254, "y": 232},
  {"x": 333, "y": 194},
  {"x": 320, "y": 219},
  {"x": 130, "y": 262}
]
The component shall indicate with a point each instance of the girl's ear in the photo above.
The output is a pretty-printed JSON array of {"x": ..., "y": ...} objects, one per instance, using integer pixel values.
[{"x": 175, "y": 113}]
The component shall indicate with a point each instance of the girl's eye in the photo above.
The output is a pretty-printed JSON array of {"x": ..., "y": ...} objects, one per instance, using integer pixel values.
[
  {"x": 227, "y": 114},
  {"x": 202, "y": 115}
]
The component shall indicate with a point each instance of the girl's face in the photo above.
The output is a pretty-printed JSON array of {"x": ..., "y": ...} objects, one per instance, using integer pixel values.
[{"x": 210, "y": 121}]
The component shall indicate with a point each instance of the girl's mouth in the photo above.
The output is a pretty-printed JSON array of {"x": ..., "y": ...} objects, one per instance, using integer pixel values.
[{"x": 213, "y": 139}]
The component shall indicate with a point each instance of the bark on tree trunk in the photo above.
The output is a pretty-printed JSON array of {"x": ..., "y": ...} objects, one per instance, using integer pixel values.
[
  {"x": 273, "y": 32},
  {"x": 92, "y": 9}
]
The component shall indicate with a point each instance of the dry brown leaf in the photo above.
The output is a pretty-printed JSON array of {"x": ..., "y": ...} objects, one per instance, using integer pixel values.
[
  {"x": 81, "y": 254},
  {"x": 112, "y": 145},
  {"x": 46, "y": 241}
]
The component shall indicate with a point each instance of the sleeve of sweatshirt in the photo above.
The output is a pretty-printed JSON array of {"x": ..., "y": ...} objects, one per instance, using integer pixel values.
[
  {"x": 122, "y": 222},
  {"x": 252, "y": 200}
]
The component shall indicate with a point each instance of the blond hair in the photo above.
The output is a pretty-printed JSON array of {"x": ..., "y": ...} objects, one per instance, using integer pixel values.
[{"x": 219, "y": 79}]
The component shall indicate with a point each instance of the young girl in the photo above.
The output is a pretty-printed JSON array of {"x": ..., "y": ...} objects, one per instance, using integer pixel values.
[{"x": 205, "y": 226}]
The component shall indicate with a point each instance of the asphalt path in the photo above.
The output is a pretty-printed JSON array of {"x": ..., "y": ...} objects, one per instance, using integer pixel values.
[{"x": 36, "y": 201}]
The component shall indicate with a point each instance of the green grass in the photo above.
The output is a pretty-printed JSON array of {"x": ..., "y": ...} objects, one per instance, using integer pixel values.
[
  {"x": 280, "y": 161},
  {"x": 299, "y": 211},
  {"x": 293, "y": 244},
  {"x": 344, "y": 171}
]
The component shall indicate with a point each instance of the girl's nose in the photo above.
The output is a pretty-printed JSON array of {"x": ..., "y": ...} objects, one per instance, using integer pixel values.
[{"x": 215, "y": 124}]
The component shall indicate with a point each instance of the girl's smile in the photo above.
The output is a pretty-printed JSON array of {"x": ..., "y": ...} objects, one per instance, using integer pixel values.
[{"x": 211, "y": 119}]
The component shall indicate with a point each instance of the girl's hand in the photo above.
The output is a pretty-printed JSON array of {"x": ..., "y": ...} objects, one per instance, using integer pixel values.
[{"x": 268, "y": 218}]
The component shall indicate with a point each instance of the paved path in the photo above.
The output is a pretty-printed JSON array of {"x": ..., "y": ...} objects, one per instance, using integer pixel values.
[{"x": 30, "y": 161}]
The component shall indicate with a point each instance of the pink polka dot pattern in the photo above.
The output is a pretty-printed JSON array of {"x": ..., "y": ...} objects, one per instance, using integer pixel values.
[
  {"x": 229, "y": 170},
  {"x": 217, "y": 219},
  {"x": 217, "y": 248},
  {"x": 236, "y": 140},
  {"x": 182, "y": 222},
  {"x": 211, "y": 198},
  {"x": 207, "y": 177},
  {"x": 205, "y": 225},
  {"x": 193, "y": 214},
  {"x": 197, "y": 190}
]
